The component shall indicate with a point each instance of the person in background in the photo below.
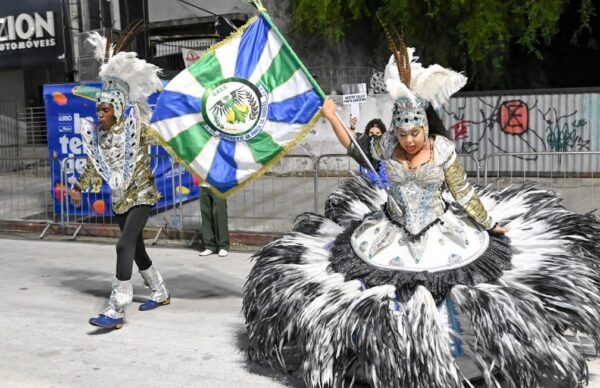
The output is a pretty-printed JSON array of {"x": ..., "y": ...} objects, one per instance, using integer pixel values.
[
  {"x": 215, "y": 230},
  {"x": 374, "y": 129}
]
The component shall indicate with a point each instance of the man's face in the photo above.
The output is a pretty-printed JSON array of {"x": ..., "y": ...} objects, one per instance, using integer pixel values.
[{"x": 106, "y": 115}]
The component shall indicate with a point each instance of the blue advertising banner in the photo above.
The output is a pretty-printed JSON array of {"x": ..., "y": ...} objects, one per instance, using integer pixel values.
[{"x": 65, "y": 105}]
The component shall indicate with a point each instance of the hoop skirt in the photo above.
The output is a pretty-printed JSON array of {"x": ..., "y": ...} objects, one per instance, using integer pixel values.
[{"x": 389, "y": 298}]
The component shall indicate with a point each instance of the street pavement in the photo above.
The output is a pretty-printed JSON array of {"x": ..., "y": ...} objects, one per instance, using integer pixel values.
[{"x": 49, "y": 289}]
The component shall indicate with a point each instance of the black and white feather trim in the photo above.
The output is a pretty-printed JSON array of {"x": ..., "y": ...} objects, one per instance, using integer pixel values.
[
  {"x": 486, "y": 268},
  {"x": 298, "y": 303}
]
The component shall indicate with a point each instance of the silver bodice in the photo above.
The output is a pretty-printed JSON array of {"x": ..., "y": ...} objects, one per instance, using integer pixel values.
[
  {"x": 418, "y": 192},
  {"x": 431, "y": 236}
]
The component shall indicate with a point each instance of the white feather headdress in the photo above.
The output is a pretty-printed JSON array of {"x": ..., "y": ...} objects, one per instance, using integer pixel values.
[
  {"x": 126, "y": 79},
  {"x": 434, "y": 83},
  {"x": 406, "y": 77}
]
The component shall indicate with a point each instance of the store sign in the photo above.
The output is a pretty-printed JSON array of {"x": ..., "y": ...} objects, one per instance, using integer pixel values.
[
  {"x": 30, "y": 34},
  {"x": 27, "y": 31}
]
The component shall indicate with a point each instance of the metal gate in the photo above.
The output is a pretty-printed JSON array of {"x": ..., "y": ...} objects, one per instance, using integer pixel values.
[{"x": 9, "y": 133}]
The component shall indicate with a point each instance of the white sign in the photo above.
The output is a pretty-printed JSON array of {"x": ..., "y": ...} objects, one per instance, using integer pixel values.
[
  {"x": 26, "y": 31},
  {"x": 190, "y": 56},
  {"x": 348, "y": 99}
]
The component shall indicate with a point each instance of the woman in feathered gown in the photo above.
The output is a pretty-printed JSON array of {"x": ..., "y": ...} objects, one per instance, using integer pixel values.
[{"x": 375, "y": 288}]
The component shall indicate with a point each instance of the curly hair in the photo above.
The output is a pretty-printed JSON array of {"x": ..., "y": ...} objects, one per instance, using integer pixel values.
[{"x": 377, "y": 123}]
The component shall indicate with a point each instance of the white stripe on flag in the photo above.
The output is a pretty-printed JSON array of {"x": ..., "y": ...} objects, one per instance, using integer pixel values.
[
  {"x": 269, "y": 52},
  {"x": 297, "y": 84},
  {"x": 246, "y": 166},
  {"x": 227, "y": 56},
  {"x": 171, "y": 127},
  {"x": 282, "y": 133},
  {"x": 201, "y": 165},
  {"x": 185, "y": 83}
]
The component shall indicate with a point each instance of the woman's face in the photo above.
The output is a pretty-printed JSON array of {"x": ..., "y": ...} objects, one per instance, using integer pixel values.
[
  {"x": 375, "y": 132},
  {"x": 411, "y": 140},
  {"x": 106, "y": 115}
]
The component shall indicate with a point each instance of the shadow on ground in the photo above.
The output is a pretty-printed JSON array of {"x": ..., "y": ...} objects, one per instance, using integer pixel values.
[{"x": 181, "y": 286}]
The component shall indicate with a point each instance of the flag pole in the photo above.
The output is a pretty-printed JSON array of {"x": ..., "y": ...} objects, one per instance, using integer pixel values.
[
  {"x": 390, "y": 199},
  {"x": 263, "y": 11}
]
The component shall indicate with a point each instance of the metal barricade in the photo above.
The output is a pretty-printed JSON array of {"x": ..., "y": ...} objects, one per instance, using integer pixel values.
[
  {"x": 9, "y": 134},
  {"x": 331, "y": 78},
  {"x": 25, "y": 189},
  {"x": 332, "y": 170},
  {"x": 33, "y": 126},
  {"x": 270, "y": 203},
  {"x": 163, "y": 217},
  {"x": 297, "y": 183},
  {"x": 573, "y": 175}
]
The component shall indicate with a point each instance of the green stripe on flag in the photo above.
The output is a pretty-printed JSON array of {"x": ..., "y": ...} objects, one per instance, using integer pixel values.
[
  {"x": 263, "y": 148},
  {"x": 283, "y": 66},
  {"x": 190, "y": 142},
  {"x": 207, "y": 70},
  {"x": 274, "y": 28}
]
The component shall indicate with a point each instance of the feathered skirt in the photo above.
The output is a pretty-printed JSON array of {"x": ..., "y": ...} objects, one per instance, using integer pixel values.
[{"x": 311, "y": 304}]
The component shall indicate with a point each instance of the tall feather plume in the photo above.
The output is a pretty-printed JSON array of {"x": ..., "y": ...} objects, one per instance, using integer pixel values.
[
  {"x": 404, "y": 63},
  {"x": 107, "y": 50},
  {"x": 132, "y": 30},
  {"x": 397, "y": 72},
  {"x": 392, "y": 46}
]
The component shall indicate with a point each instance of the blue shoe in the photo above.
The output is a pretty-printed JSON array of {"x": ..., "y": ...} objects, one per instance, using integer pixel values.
[
  {"x": 151, "y": 305},
  {"x": 107, "y": 322}
]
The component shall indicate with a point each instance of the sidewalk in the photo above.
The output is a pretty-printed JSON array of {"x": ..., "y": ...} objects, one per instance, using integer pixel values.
[{"x": 49, "y": 289}]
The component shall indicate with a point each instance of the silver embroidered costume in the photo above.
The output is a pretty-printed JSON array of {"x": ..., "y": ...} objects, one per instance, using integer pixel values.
[
  {"x": 428, "y": 234},
  {"x": 120, "y": 156}
]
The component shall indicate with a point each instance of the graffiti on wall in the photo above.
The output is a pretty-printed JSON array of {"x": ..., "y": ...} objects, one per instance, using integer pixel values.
[
  {"x": 563, "y": 132},
  {"x": 515, "y": 124}
]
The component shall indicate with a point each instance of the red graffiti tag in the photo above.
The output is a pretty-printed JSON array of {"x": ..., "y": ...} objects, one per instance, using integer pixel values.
[
  {"x": 514, "y": 117},
  {"x": 460, "y": 129}
]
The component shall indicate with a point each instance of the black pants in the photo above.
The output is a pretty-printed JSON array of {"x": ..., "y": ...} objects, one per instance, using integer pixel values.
[{"x": 131, "y": 242}]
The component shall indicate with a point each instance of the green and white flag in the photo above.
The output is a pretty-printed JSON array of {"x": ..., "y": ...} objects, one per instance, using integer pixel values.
[{"x": 239, "y": 108}]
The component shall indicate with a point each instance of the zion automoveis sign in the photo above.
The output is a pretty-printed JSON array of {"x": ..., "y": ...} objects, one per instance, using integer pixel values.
[{"x": 30, "y": 33}]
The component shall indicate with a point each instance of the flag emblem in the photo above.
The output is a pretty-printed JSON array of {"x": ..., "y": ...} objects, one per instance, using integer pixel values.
[{"x": 235, "y": 109}]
